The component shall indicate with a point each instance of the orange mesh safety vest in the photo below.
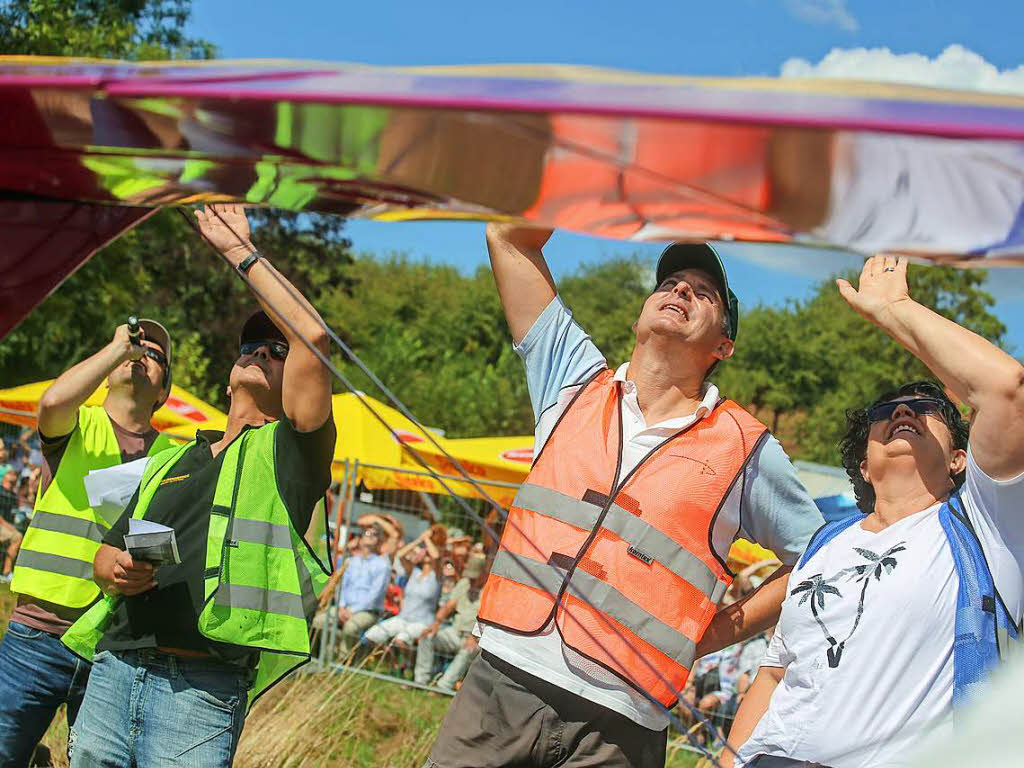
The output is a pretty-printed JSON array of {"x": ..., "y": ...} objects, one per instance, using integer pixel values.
[{"x": 624, "y": 564}]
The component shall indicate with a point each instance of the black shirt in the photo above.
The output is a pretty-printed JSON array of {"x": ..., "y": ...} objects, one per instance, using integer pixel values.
[{"x": 167, "y": 615}]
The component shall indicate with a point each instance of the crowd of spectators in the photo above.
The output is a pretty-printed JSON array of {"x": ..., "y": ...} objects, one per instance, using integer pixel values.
[
  {"x": 20, "y": 470},
  {"x": 414, "y": 600}
]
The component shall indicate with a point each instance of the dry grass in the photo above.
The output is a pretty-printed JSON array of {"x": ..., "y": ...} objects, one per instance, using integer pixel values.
[{"x": 343, "y": 721}]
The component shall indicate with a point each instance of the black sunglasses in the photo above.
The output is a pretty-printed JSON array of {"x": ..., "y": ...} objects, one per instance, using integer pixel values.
[
  {"x": 922, "y": 406},
  {"x": 277, "y": 349},
  {"x": 156, "y": 355}
]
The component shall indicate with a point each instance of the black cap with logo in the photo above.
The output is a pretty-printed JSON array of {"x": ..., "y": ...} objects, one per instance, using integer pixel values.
[{"x": 677, "y": 256}]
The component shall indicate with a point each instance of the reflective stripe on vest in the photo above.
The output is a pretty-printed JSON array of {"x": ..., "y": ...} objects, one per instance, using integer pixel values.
[
  {"x": 259, "y": 532},
  {"x": 628, "y": 527},
  {"x": 58, "y": 564},
  {"x": 55, "y": 561},
  {"x": 260, "y": 599},
  {"x": 622, "y": 562},
  {"x": 73, "y": 526},
  {"x": 600, "y": 595}
]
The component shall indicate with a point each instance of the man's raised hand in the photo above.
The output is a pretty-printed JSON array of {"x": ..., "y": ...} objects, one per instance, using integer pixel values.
[
  {"x": 122, "y": 342},
  {"x": 882, "y": 285},
  {"x": 227, "y": 228}
]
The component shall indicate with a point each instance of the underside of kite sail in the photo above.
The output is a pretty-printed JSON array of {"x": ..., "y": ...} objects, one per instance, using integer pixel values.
[{"x": 88, "y": 148}]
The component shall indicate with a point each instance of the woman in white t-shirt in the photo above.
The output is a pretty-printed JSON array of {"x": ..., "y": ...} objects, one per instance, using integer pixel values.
[{"x": 862, "y": 665}]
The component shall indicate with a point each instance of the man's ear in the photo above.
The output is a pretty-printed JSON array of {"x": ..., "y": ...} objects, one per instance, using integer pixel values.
[
  {"x": 634, "y": 325},
  {"x": 864, "y": 471},
  {"x": 227, "y": 391},
  {"x": 724, "y": 350},
  {"x": 958, "y": 461}
]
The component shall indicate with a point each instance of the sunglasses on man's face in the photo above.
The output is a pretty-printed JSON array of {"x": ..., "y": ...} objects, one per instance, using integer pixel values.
[
  {"x": 922, "y": 406},
  {"x": 156, "y": 355},
  {"x": 277, "y": 349}
]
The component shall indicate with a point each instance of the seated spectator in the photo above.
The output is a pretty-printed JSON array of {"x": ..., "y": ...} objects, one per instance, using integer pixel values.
[
  {"x": 449, "y": 578},
  {"x": 751, "y": 653},
  {"x": 9, "y": 494},
  {"x": 393, "y": 597},
  {"x": 10, "y": 538},
  {"x": 26, "y": 498},
  {"x": 5, "y": 458},
  {"x": 29, "y": 441},
  {"x": 457, "y": 638},
  {"x": 363, "y": 586},
  {"x": 10, "y": 543},
  {"x": 712, "y": 690},
  {"x": 392, "y": 533},
  {"x": 422, "y": 561}
]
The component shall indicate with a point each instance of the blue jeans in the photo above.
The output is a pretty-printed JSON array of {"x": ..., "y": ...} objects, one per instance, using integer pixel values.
[
  {"x": 156, "y": 710},
  {"x": 37, "y": 675}
]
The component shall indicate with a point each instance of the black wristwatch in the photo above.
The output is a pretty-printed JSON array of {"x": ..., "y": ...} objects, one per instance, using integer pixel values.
[{"x": 246, "y": 264}]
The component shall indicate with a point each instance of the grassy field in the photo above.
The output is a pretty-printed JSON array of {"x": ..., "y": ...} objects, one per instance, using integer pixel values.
[{"x": 316, "y": 720}]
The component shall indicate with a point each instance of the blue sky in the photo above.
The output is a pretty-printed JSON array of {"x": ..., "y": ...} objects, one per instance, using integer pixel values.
[{"x": 742, "y": 37}]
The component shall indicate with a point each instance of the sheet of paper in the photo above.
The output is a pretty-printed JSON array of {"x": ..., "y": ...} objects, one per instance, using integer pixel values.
[
  {"x": 138, "y": 525},
  {"x": 111, "y": 489}
]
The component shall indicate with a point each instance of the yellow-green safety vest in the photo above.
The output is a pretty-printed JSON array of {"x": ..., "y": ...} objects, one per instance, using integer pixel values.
[
  {"x": 261, "y": 578},
  {"x": 55, "y": 561}
]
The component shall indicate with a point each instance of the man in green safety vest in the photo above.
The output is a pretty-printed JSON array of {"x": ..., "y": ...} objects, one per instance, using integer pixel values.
[
  {"x": 53, "y": 577},
  {"x": 179, "y": 652}
]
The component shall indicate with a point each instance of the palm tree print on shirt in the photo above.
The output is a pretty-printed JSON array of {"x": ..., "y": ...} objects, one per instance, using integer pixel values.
[{"x": 816, "y": 588}]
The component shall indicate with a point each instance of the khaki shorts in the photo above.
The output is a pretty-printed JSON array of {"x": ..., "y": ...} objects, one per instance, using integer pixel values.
[
  {"x": 8, "y": 536},
  {"x": 502, "y": 716}
]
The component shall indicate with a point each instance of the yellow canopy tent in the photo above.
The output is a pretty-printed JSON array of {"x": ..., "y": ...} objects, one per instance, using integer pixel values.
[
  {"x": 362, "y": 437},
  {"x": 180, "y": 416}
]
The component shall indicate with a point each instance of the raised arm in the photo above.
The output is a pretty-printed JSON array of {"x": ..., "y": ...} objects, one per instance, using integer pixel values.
[
  {"x": 978, "y": 372},
  {"x": 403, "y": 553},
  {"x": 58, "y": 407},
  {"x": 524, "y": 283},
  {"x": 306, "y": 391}
]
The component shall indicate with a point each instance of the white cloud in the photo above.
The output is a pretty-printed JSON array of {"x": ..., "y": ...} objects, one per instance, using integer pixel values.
[
  {"x": 824, "y": 12},
  {"x": 956, "y": 67}
]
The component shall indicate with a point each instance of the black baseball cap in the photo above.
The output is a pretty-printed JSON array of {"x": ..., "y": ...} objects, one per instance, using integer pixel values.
[
  {"x": 259, "y": 327},
  {"x": 677, "y": 256}
]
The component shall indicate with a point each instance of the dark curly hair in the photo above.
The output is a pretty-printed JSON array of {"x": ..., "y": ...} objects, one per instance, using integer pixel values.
[{"x": 854, "y": 445}]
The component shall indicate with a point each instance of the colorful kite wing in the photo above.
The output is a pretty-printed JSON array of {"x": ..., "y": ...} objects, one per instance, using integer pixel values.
[{"x": 864, "y": 166}]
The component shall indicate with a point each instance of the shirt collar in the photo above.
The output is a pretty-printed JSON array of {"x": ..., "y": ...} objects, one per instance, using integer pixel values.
[{"x": 707, "y": 404}]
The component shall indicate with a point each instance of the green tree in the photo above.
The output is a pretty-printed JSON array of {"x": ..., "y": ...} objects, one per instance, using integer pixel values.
[
  {"x": 162, "y": 269},
  {"x": 126, "y": 29}
]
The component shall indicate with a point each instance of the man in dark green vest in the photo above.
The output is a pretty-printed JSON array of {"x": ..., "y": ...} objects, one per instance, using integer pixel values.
[
  {"x": 53, "y": 577},
  {"x": 179, "y": 653}
]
